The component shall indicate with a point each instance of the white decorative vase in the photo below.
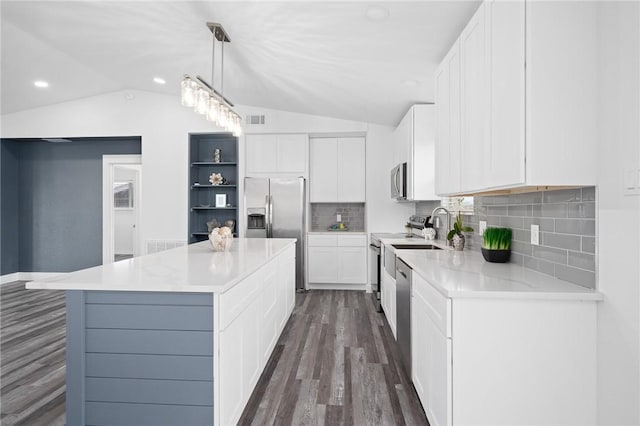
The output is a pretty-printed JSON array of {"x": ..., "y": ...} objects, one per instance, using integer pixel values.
[
  {"x": 458, "y": 242},
  {"x": 221, "y": 239}
]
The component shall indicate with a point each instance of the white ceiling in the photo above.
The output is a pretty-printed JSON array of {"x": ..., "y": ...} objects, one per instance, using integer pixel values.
[{"x": 323, "y": 58}]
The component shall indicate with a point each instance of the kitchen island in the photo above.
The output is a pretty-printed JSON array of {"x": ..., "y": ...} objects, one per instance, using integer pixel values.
[{"x": 177, "y": 337}]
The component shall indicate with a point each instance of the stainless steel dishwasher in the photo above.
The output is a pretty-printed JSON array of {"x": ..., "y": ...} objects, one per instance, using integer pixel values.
[{"x": 403, "y": 309}]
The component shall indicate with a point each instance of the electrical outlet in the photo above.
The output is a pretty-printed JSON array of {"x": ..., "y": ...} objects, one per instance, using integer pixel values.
[
  {"x": 339, "y": 218},
  {"x": 482, "y": 227},
  {"x": 535, "y": 235}
]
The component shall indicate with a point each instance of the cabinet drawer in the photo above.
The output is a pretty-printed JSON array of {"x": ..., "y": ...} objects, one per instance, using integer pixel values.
[
  {"x": 323, "y": 240},
  {"x": 438, "y": 306},
  {"x": 238, "y": 298},
  {"x": 352, "y": 240}
]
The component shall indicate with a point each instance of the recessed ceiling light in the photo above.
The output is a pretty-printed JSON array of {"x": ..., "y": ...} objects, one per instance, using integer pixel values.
[
  {"x": 41, "y": 83},
  {"x": 159, "y": 80},
  {"x": 377, "y": 13}
]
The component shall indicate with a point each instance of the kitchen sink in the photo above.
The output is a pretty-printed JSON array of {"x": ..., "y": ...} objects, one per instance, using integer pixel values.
[{"x": 416, "y": 246}]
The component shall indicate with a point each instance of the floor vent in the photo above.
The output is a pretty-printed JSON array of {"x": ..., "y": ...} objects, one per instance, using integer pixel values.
[
  {"x": 254, "y": 119},
  {"x": 154, "y": 246}
]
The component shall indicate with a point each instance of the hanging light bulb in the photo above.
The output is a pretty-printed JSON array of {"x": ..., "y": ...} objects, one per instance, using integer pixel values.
[
  {"x": 202, "y": 101},
  {"x": 212, "y": 111},
  {"x": 238, "y": 128},
  {"x": 188, "y": 92},
  {"x": 223, "y": 116}
]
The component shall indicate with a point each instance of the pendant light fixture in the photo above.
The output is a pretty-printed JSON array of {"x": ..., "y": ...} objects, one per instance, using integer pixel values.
[{"x": 196, "y": 93}]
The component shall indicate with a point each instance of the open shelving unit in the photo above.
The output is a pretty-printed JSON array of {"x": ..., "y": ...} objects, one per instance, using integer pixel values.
[{"x": 202, "y": 195}]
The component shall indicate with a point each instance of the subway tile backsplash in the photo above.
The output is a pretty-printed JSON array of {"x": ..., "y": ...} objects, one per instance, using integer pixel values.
[
  {"x": 567, "y": 220},
  {"x": 323, "y": 216}
]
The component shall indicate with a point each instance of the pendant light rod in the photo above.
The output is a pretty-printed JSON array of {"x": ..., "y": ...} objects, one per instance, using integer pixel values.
[{"x": 210, "y": 87}]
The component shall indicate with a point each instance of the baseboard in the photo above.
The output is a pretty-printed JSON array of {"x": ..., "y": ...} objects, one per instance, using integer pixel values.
[
  {"x": 28, "y": 276},
  {"x": 336, "y": 286}
]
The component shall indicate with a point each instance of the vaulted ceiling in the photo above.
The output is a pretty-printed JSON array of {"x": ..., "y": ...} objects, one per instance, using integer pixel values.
[{"x": 365, "y": 61}]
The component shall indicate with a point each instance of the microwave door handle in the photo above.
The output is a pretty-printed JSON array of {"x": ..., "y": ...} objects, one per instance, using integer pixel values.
[
  {"x": 266, "y": 211},
  {"x": 270, "y": 216},
  {"x": 395, "y": 182}
]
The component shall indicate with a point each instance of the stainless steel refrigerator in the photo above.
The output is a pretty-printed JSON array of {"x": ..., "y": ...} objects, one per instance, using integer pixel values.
[{"x": 275, "y": 208}]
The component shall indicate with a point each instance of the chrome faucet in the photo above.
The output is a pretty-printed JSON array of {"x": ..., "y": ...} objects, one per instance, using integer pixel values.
[{"x": 448, "y": 220}]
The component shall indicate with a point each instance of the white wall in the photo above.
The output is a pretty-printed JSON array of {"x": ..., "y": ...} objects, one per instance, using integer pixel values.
[
  {"x": 164, "y": 126},
  {"x": 618, "y": 216}
]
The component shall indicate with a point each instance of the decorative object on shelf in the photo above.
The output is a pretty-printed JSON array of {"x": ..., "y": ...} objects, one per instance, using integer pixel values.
[
  {"x": 231, "y": 224},
  {"x": 221, "y": 200},
  {"x": 217, "y": 179},
  {"x": 203, "y": 98},
  {"x": 212, "y": 224},
  {"x": 221, "y": 238},
  {"x": 456, "y": 235},
  {"x": 204, "y": 205},
  {"x": 217, "y": 155},
  {"x": 496, "y": 245}
]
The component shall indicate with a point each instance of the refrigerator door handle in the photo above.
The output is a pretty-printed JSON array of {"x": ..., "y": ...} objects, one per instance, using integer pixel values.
[
  {"x": 270, "y": 216},
  {"x": 267, "y": 216}
]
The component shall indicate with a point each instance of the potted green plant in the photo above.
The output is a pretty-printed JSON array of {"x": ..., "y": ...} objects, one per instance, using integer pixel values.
[
  {"x": 496, "y": 245},
  {"x": 456, "y": 235}
]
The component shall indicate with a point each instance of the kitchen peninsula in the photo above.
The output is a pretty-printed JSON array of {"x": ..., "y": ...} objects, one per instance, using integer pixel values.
[{"x": 176, "y": 337}]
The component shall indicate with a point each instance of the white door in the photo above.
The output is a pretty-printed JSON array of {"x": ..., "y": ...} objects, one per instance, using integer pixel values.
[
  {"x": 292, "y": 154},
  {"x": 261, "y": 153},
  {"x": 352, "y": 265},
  {"x": 323, "y": 264}
]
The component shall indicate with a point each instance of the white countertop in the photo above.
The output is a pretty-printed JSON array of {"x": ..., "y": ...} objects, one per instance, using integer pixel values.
[
  {"x": 466, "y": 274},
  {"x": 194, "y": 268},
  {"x": 336, "y": 232}
]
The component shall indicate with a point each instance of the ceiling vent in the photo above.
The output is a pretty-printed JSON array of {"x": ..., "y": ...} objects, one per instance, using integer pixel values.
[{"x": 254, "y": 119}]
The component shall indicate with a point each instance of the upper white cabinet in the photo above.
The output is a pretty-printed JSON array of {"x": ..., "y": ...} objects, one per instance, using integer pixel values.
[
  {"x": 528, "y": 98},
  {"x": 447, "y": 177},
  {"x": 337, "y": 170},
  {"x": 276, "y": 155},
  {"x": 414, "y": 144}
]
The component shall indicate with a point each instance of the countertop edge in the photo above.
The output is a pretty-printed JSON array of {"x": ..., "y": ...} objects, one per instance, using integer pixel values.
[{"x": 50, "y": 283}]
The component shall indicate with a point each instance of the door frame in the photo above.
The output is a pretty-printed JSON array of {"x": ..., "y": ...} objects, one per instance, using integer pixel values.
[{"x": 108, "y": 241}]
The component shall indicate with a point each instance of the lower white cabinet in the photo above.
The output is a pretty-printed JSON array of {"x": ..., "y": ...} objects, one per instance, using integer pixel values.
[
  {"x": 252, "y": 315},
  {"x": 337, "y": 259},
  {"x": 503, "y": 361},
  {"x": 389, "y": 300}
]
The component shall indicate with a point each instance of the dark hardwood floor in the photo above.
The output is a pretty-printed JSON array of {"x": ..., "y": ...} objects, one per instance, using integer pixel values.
[
  {"x": 32, "y": 356},
  {"x": 335, "y": 363}
]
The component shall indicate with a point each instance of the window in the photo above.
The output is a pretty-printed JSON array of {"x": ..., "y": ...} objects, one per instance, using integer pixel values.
[
  {"x": 123, "y": 195},
  {"x": 463, "y": 205}
]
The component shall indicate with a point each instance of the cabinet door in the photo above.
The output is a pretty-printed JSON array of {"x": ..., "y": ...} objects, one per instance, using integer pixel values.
[
  {"x": 323, "y": 265},
  {"x": 402, "y": 137},
  {"x": 272, "y": 306},
  {"x": 352, "y": 265},
  {"x": 231, "y": 377},
  {"x": 323, "y": 170},
  {"x": 292, "y": 154},
  {"x": 506, "y": 28},
  {"x": 443, "y": 129},
  {"x": 420, "y": 175},
  {"x": 261, "y": 153},
  {"x": 474, "y": 152},
  {"x": 351, "y": 170}
]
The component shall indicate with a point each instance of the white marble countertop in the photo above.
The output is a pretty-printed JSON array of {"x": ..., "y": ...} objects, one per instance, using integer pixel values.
[
  {"x": 467, "y": 274},
  {"x": 194, "y": 268},
  {"x": 336, "y": 232}
]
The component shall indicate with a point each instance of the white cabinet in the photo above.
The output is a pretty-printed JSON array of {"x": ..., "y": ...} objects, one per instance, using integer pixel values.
[
  {"x": 483, "y": 360},
  {"x": 276, "y": 155},
  {"x": 414, "y": 144},
  {"x": 388, "y": 294},
  {"x": 251, "y": 317},
  {"x": 528, "y": 92},
  {"x": 337, "y": 259},
  {"x": 447, "y": 166},
  {"x": 337, "y": 170}
]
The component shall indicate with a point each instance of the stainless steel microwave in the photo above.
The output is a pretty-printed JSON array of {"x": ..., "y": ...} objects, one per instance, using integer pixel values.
[{"x": 399, "y": 182}]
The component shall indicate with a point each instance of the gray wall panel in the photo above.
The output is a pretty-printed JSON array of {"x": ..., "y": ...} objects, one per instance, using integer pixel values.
[
  {"x": 174, "y": 392},
  {"x": 113, "y": 414},
  {"x": 147, "y": 298},
  {"x": 150, "y": 317},
  {"x": 160, "y": 342},
  {"x": 75, "y": 371},
  {"x": 149, "y": 366}
]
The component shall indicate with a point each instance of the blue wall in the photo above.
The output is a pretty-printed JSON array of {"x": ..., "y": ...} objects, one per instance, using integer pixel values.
[
  {"x": 9, "y": 211},
  {"x": 59, "y": 215}
]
